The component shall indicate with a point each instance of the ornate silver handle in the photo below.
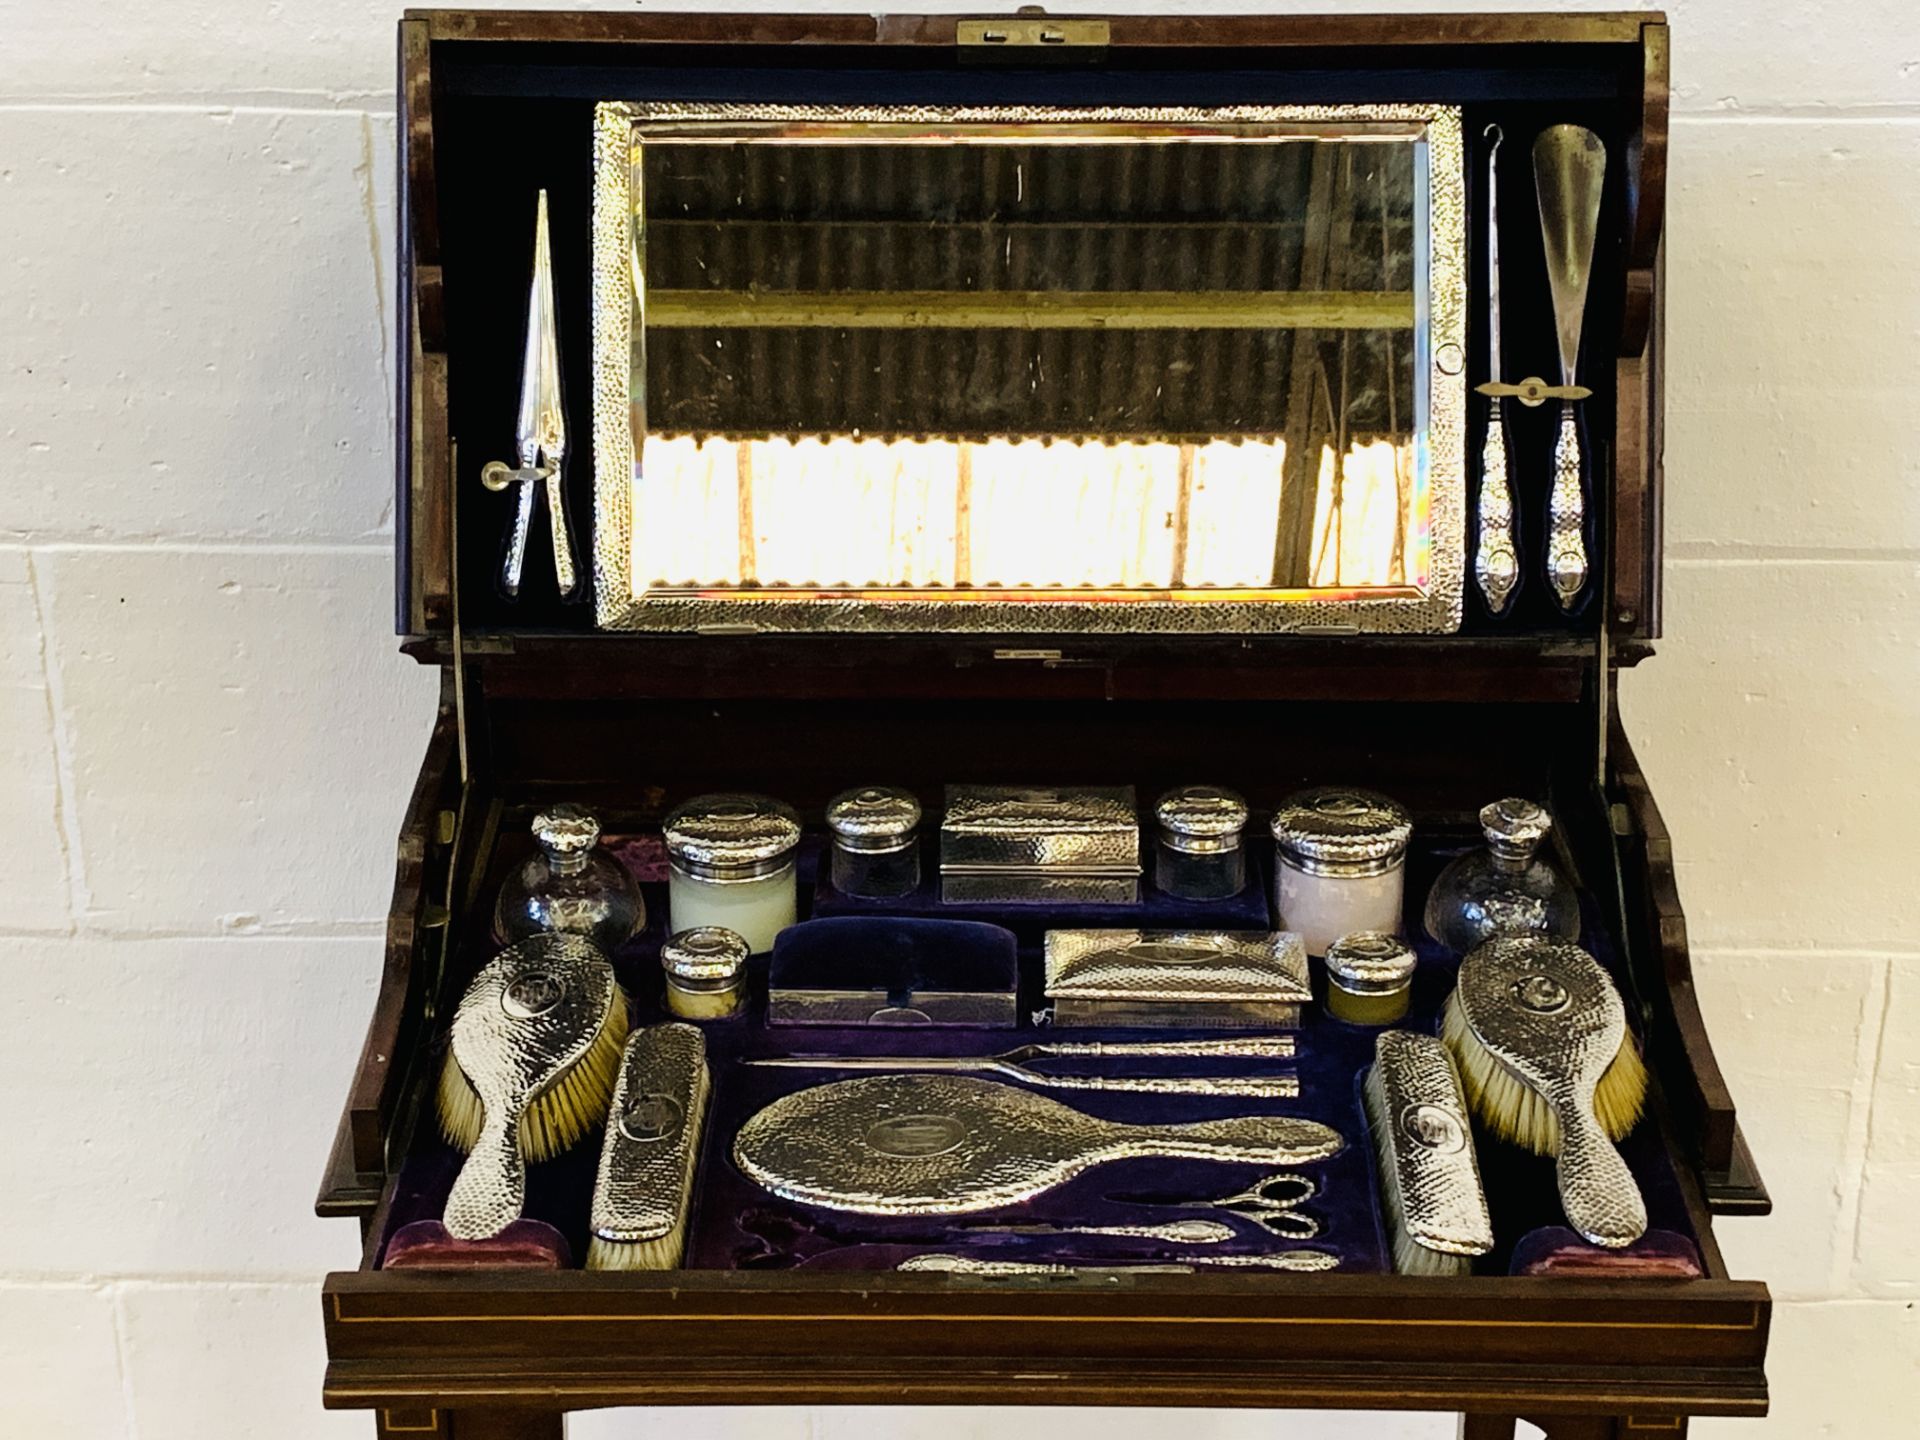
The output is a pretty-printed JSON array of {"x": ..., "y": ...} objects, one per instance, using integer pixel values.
[
  {"x": 1496, "y": 565},
  {"x": 565, "y": 575},
  {"x": 1597, "y": 1190},
  {"x": 1567, "y": 515},
  {"x": 491, "y": 1188}
]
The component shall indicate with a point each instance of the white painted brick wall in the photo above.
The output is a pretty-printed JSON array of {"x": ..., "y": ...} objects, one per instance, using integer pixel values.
[{"x": 205, "y": 736}]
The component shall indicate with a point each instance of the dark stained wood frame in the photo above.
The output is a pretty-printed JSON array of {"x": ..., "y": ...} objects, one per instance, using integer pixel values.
[{"x": 499, "y": 1356}]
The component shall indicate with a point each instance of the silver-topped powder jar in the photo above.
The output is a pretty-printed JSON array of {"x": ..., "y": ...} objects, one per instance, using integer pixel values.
[
  {"x": 706, "y": 972},
  {"x": 876, "y": 842},
  {"x": 1200, "y": 852},
  {"x": 731, "y": 863},
  {"x": 1340, "y": 863},
  {"x": 1369, "y": 978}
]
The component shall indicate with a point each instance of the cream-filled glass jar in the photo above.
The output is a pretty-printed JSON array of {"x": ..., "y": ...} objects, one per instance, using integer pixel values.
[
  {"x": 731, "y": 864},
  {"x": 706, "y": 973},
  {"x": 1340, "y": 864}
]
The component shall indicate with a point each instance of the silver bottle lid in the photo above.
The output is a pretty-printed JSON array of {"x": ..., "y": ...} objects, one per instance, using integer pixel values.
[
  {"x": 1370, "y": 962},
  {"x": 566, "y": 832},
  {"x": 1514, "y": 827},
  {"x": 1341, "y": 830},
  {"x": 873, "y": 820},
  {"x": 1201, "y": 819},
  {"x": 732, "y": 837},
  {"x": 707, "y": 957}
]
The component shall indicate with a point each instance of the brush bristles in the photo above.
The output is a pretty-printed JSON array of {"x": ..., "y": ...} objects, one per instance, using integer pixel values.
[
  {"x": 664, "y": 1251},
  {"x": 573, "y": 1106},
  {"x": 1515, "y": 1112},
  {"x": 1410, "y": 1257}
]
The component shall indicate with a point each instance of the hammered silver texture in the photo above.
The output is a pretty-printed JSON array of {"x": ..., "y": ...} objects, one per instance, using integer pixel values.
[
  {"x": 1549, "y": 1013},
  {"x": 1496, "y": 563},
  {"x": 530, "y": 1015},
  {"x": 1082, "y": 830},
  {"x": 1176, "y": 966},
  {"x": 1254, "y": 1087},
  {"x": 950, "y": 1145},
  {"x": 1567, "y": 515},
  {"x": 1303, "y": 1262},
  {"x": 620, "y": 421},
  {"x": 653, "y": 1136},
  {"x": 1172, "y": 1232},
  {"x": 1431, "y": 1172}
]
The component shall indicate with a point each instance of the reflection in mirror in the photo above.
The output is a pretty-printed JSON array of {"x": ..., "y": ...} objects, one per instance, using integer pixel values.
[{"x": 1023, "y": 362}]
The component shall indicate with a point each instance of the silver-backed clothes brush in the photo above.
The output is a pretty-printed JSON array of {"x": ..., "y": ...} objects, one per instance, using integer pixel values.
[
  {"x": 1569, "y": 172},
  {"x": 1496, "y": 562},
  {"x": 540, "y": 432},
  {"x": 1009, "y": 1066}
]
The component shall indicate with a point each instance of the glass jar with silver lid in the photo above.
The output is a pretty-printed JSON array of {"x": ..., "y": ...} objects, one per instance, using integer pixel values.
[
  {"x": 1369, "y": 978},
  {"x": 1199, "y": 852},
  {"x": 731, "y": 864},
  {"x": 1340, "y": 858},
  {"x": 876, "y": 842},
  {"x": 706, "y": 972},
  {"x": 570, "y": 887}
]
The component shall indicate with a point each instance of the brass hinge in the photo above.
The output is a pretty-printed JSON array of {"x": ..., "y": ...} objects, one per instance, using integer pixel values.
[{"x": 1031, "y": 30}]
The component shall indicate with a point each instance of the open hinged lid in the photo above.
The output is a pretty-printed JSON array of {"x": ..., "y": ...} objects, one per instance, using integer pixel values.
[{"x": 1141, "y": 334}]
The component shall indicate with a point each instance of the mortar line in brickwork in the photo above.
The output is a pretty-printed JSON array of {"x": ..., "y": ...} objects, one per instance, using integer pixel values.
[
  {"x": 1848, "y": 1258},
  {"x": 1703, "y": 553},
  {"x": 72, "y": 862},
  {"x": 347, "y": 104},
  {"x": 202, "y": 545},
  {"x": 1868, "y": 112}
]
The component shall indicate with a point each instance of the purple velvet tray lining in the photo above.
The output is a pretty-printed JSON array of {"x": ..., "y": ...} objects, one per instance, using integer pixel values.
[{"x": 737, "y": 1225}]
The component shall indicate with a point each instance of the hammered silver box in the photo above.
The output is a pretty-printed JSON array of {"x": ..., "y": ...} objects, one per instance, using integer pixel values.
[
  {"x": 1027, "y": 844},
  {"x": 1176, "y": 977}
]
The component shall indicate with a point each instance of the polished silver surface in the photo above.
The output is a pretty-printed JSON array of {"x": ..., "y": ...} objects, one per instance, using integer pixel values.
[
  {"x": 530, "y": 1015},
  {"x": 706, "y": 955},
  {"x": 1298, "y": 1261},
  {"x": 1052, "y": 830},
  {"x": 1430, "y": 1171},
  {"x": 723, "y": 837},
  {"x": 1172, "y": 1232},
  {"x": 1370, "y": 962},
  {"x": 1201, "y": 819},
  {"x": 1549, "y": 1013},
  {"x": 540, "y": 430},
  {"x": 566, "y": 830},
  {"x": 1262, "y": 1087},
  {"x": 1176, "y": 966},
  {"x": 1569, "y": 174},
  {"x": 874, "y": 820},
  {"x": 949, "y": 1144},
  {"x": 1496, "y": 563},
  {"x": 1342, "y": 830},
  {"x": 653, "y": 1136},
  {"x": 1422, "y": 593}
]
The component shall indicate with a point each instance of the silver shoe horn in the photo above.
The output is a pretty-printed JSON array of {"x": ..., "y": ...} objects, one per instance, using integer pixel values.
[{"x": 1569, "y": 171}]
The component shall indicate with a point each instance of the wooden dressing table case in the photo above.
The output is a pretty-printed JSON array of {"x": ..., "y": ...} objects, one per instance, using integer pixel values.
[{"x": 1075, "y": 288}]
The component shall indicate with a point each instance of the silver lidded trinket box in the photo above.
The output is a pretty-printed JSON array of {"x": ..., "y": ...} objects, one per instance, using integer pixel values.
[
  {"x": 1075, "y": 845},
  {"x": 1200, "y": 851},
  {"x": 1211, "y": 978}
]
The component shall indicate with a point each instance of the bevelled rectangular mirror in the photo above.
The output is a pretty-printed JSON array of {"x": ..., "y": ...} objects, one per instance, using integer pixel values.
[{"x": 1029, "y": 370}]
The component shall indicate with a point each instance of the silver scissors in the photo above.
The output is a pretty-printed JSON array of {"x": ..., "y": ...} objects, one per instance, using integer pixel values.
[{"x": 1272, "y": 1202}]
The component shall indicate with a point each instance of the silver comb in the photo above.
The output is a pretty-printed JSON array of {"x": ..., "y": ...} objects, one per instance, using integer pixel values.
[
  {"x": 527, "y": 1019},
  {"x": 1548, "y": 1013}
]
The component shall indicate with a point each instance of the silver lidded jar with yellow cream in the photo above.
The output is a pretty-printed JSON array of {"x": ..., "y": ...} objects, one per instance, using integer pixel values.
[
  {"x": 731, "y": 864},
  {"x": 706, "y": 972},
  {"x": 876, "y": 842},
  {"x": 1369, "y": 978},
  {"x": 1340, "y": 863},
  {"x": 1200, "y": 848}
]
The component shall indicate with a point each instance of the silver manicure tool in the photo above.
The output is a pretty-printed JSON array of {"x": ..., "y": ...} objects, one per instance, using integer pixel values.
[
  {"x": 1272, "y": 1202},
  {"x": 1496, "y": 564},
  {"x": 541, "y": 431},
  {"x": 1299, "y": 1261},
  {"x": 1173, "y": 1232},
  {"x": 1008, "y": 1066}
]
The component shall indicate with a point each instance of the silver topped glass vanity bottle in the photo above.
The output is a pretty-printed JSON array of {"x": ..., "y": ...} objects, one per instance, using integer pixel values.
[
  {"x": 876, "y": 842},
  {"x": 570, "y": 887},
  {"x": 1506, "y": 888},
  {"x": 731, "y": 864},
  {"x": 1340, "y": 864},
  {"x": 1200, "y": 851}
]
